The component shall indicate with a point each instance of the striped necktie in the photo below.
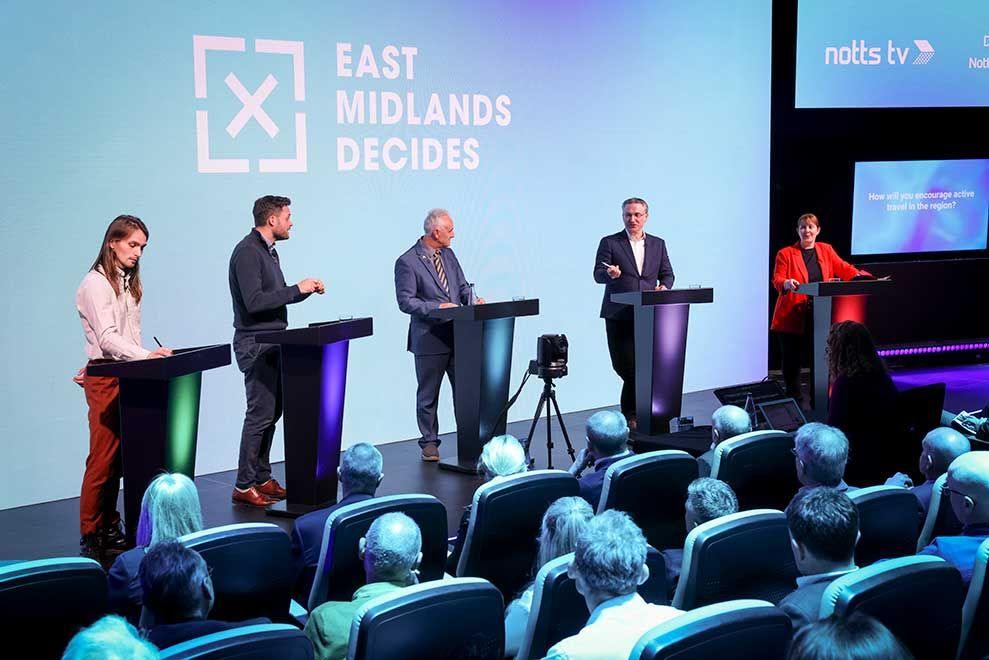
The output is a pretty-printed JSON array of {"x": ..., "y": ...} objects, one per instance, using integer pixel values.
[{"x": 438, "y": 263}]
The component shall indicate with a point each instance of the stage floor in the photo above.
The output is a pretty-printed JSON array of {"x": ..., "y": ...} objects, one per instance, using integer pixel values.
[{"x": 51, "y": 529}]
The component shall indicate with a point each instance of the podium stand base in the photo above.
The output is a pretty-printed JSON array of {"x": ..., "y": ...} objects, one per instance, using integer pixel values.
[
  {"x": 695, "y": 442},
  {"x": 454, "y": 464},
  {"x": 286, "y": 509}
]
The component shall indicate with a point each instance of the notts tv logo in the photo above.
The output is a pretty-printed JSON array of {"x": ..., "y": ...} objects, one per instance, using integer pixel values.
[
  {"x": 859, "y": 52},
  {"x": 251, "y": 105}
]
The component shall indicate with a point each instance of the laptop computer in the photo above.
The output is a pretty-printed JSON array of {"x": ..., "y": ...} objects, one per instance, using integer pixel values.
[{"x": 782, "y": 414}]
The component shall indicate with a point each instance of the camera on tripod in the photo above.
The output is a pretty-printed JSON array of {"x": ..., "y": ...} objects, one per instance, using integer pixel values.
[{"x": 551, "y": 357}]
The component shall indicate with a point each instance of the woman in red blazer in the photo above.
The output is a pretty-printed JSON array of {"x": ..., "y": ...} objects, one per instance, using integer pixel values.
[{"x": 801, "y": 263}]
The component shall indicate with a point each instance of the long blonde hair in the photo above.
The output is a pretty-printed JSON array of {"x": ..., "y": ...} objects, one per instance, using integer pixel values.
[{"x": 121, "y": 227}]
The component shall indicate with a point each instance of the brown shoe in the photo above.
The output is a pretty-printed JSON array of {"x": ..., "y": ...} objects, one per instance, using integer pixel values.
[
  {"x": 271, "y": 489},
  {"x": 430, "y": 452},
  {"x": 251, "y": 497}
]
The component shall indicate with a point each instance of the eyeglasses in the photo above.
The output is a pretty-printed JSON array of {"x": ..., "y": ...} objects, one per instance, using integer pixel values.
[{"x": 952, "y": 491}]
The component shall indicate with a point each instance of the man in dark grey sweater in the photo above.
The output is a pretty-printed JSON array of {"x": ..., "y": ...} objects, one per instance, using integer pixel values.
[{"x": 260, "y": 296}]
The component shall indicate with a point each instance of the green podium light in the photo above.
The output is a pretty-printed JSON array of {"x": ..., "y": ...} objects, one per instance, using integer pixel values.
[{"x": 183, "y": 423}]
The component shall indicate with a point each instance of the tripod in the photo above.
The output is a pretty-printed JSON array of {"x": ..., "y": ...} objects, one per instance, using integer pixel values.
[{"x": 549, "y": 396}]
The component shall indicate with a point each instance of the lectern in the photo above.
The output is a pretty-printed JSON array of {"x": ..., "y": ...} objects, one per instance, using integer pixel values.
[
  {"x": 834, "y": 302},
  {"x": 482, "y": 343},
  {"x": 660, "y": 349},
  {"x": 159, "y": 417},
  {"x": 314, "y": 379}
]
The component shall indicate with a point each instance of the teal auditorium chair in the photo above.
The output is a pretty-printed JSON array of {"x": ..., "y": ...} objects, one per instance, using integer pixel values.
[
  {"x": 941, "y": 519},
  {"x": 733, "y": 630},
  {"x": 744, "y": 555},
  {"x": 44, "y": 603},
  {"x": 759, "y": 467},
  {"x": 504, "y": 527},
  {"x": 890, "y": 518},
  {"x": 918, "y": 598},
  {"x": 975, "y": 613},
  {"x": 455, "y": 618},
  {"x": 651, "y": 488},
  {"x": 340, "y": 570},
  {"x": 558, "y": 611},
  {"x": 251, "y": 568},
  {"x": 261, "y": 642}
]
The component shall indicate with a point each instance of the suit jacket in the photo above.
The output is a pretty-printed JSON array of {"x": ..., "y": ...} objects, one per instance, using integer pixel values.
[
  {"x": 804, "y": 604},
  {"x": 307, "y": 540},
  {"x": 592, "y": 483},
  {"x": 170, "y": 634},
  {"x": 792, "y": 308},
  {"x": 419, "y": 292},
  {"x": 617, "y": 251},
  {"x": 124, "y": 584}
]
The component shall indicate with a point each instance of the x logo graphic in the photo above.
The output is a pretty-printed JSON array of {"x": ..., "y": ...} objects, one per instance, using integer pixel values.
[{"x": 252, "y": 105}]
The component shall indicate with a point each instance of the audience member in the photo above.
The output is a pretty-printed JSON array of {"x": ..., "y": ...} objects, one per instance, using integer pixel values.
[
  {"x": 859, "y": 637},
  {"x": 360, "y": 475},
  {"x": 609, "y": 564},
  {"x": 607, "y": 442},
  {"x": 726, "y": 423},
  {"x": 824, "y": 528},
  {"x": 821, "y": 453},
  {"x": 563, "y": 522},
  {"x": 391, "y": 552},
  {"x": 968, "y": 487},
  {"x": 110, "y": 638},
  {"x": 501, "y": 456},
  {"x": 940, "y": 447},
  {"x": 178, "y": 595},
  {"x": 707, "y": 499},
  {"x": 863, "y": 398},
  {"x": 169, "y": 509}
]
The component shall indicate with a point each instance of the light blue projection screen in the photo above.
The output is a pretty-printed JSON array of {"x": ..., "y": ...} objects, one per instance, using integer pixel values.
[
  {"x": 892, "y": 53},
  {"x": 530, "y": 122}
]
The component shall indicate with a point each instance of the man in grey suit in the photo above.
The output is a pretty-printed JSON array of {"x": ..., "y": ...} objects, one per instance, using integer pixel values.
[{"x": 429, "y": 277}]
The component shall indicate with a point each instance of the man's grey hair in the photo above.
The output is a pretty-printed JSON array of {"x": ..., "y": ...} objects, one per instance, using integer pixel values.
[
  {"x": 730, "y": 421},
  {"x": 711, "y": 498},
  {"x": 110, "y": 637},
  {"x": 360, "y": 468},
  {"x": 610, "y": 554},
  {"x": 823, "y": 450},
  {"x": 432, "y": 218},
  {"x": 501, "y": 456},
  {"x": 607, "y": 431},
  {"x": 392, "y": 546}
]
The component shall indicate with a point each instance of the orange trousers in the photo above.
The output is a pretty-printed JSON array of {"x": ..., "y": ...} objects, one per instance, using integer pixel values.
[{"x": 101, "y": 481}]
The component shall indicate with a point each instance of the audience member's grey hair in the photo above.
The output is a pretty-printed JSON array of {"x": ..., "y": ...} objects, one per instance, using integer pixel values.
[
  {"x": 945, "y": 445},
  {"x": 563, "y": 522},
  {"x": 429, "y": 224},
  {"x": 392, "y": 546},
  {"x": 607, "y": 431},
  {"x": 360, "y": 469},
  {"x": 711, "y": 498},
  {"x": 110, "y": 638},
  {"x": 610, "y": 554},
  {"x": 823, "y": 450},
  {"x": 169, "y": 509},
  {"x": 501, "y": 456},
  {"x": 730, "y": 421}
]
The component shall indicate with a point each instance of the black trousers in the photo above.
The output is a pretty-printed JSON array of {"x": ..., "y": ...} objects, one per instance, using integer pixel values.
[
  {"x": 621, "y": 345},
  {"x": 794, "y": 349},
  {"x": 261, "y": 365},
  {"x": 430, "y": 370}
]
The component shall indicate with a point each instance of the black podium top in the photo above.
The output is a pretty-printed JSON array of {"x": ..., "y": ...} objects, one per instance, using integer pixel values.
[
  {"x": 488, "y": 311},
  {"x": 319, "y": 334},
  {"x": 666, "y": 297},
  {"x": 849, "y": 288},
  {"x": 182, "y": 362}
]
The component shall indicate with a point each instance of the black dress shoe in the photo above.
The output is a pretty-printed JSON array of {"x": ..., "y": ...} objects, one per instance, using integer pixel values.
[
  {"x": 114, "y": 537},
  {"x": 91, "y": 547}
]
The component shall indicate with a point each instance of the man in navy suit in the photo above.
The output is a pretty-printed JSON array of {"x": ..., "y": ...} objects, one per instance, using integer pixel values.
[
  {"x": 360, "y": 474},
  {"x": 630, "y": 260},
  {"x": 429, "y": 277}
]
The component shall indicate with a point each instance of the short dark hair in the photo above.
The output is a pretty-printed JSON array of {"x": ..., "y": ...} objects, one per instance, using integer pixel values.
[
  {"x": 859, "y": 637},
  {"x": 635, "y": 200},
  {"x": 265, "y": 206},
  {"x": 826, "y": 521},
  {"x": 172, "y": 578}
]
